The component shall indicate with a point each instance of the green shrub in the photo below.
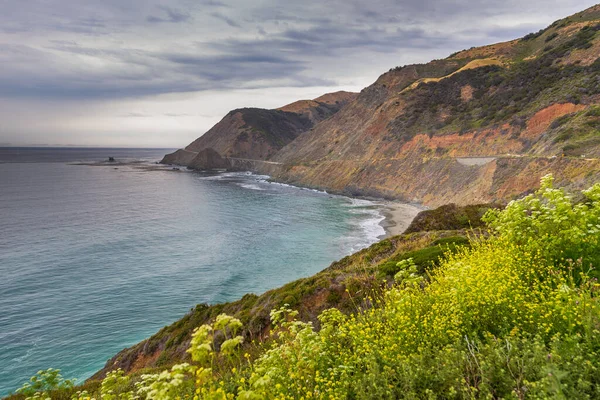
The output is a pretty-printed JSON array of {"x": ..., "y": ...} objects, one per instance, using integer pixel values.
[
  {"x": 426, "y": 258},
  {"x": 593, "y": 112},
  {"x": 45, "y": 381},
  {"x": 561, "y": 120},
  {"x": 550, "y": 223},
  {"x": 551, "y": 37},
  {"x": 450, "y": 217}
]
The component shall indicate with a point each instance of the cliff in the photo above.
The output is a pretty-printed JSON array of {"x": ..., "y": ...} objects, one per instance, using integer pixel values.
[
  {"x": 482, "y": 125},
  {"x": 479, "y": 126}
]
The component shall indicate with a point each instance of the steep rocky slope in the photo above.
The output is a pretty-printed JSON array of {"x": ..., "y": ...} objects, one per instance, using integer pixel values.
[
  {"x": 322, "y": 107},
  {"x": 255, "y": 133},
  {"x": 481, "y": 125}
]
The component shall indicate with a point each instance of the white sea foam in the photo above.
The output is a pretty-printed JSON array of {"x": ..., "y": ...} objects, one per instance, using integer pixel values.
[
  {"x": 232, "y": 176},
  {"x": 368, "y": 220},
  {"x": 250, "y": 186},
  {"x": 362, "y": 203},
  {"x": 212, "y": 178},
  {"x": 369, "y": 215},
  {"x": 371, "y": 227},
  {"x": 265, "y": 179}
]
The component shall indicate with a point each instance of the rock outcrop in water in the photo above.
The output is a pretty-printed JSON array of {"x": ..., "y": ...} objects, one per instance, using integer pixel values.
[{"x": 482, "y": 125}]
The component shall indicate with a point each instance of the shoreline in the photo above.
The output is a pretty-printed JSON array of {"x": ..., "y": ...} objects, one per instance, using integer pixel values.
[
  {"x": 392, "y": 215},
  {"x": 397, "y": 217}
]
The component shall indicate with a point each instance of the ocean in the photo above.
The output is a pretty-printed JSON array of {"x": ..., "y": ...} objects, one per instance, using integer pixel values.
[{"x": 94, "y": 259}]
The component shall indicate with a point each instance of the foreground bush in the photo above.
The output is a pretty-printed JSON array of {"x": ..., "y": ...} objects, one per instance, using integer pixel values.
[{"x": 516, "y": 315}]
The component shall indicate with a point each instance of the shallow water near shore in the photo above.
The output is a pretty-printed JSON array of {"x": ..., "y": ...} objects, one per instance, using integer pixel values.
[{"x": 96, "y": 258}]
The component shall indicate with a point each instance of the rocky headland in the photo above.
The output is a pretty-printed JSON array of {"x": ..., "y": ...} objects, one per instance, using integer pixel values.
[{"x": 482, "y": 125}]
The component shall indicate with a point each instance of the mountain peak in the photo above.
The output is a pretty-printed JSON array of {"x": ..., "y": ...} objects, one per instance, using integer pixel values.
[{"x": 337, "y": 99}]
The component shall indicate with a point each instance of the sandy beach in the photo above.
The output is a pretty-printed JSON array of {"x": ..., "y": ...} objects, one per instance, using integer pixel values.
[{"x": 398, "y": 217}]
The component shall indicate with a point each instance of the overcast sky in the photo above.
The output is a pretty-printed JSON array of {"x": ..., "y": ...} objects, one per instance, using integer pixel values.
[{"x": 152, "y": 73}]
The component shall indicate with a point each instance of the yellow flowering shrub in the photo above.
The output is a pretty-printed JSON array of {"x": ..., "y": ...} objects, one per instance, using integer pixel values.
[{"x": 515, "y": 315}]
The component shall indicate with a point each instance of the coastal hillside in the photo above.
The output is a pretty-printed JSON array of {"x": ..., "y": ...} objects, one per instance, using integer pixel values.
[
  {"x": 482, "y": 125},
  {"x": 255, "y": 133},
  {"x": 343, "y": 285},
  {"x": 474, "y": 180},
  {"x": 510, "y": 311},
  {"x": 338, "y": 286}
]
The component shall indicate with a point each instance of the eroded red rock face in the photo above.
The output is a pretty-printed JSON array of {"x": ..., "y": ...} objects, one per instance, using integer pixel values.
[
  {"x": 541, "y": 120},
  {"x": 466, "y": 93}
]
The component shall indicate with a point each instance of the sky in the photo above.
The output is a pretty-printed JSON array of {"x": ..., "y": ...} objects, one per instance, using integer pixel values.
[{"x": 151, "y": 73}]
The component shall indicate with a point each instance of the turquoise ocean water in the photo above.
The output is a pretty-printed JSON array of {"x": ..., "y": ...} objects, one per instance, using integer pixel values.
[{"x": 94, "y": 259}]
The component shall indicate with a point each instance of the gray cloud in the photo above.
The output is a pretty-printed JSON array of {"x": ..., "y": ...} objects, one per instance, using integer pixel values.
[
  {"x": 170, "y": 115},
  {"x": 226, "y": 19},
  {"x": 135, "y": 72},
  {"x": 85, "y": 71},
  {"x": 215, "y": 3},
  {"x": 114, "y": 49},
  {"x": 170, "y": 15},
  {"x": 175, "y": 115},
  {"x": 135, "y": 115}
]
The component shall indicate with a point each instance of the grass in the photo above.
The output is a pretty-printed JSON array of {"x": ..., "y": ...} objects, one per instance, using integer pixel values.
[
  {"x": 484, "y": 62},
  {"x": 425, "y": 259},
  {"x": 450, "y": 217}
]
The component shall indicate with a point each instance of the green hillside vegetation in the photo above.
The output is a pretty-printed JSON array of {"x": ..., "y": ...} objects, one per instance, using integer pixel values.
[
  {"x": 578, "y": 134},
  {"x": 501, "y": 93},
  {"x": 338, "y": 286},
  {"x": 450, "y": 217},
  {"x": 514, "y": 314}
]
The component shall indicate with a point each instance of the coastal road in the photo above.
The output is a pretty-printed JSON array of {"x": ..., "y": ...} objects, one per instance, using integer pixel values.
[
  {"x": 468, "y": 161},
  {"x": 253, "y": 160},
  {"x": 239, "y": 159}
]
